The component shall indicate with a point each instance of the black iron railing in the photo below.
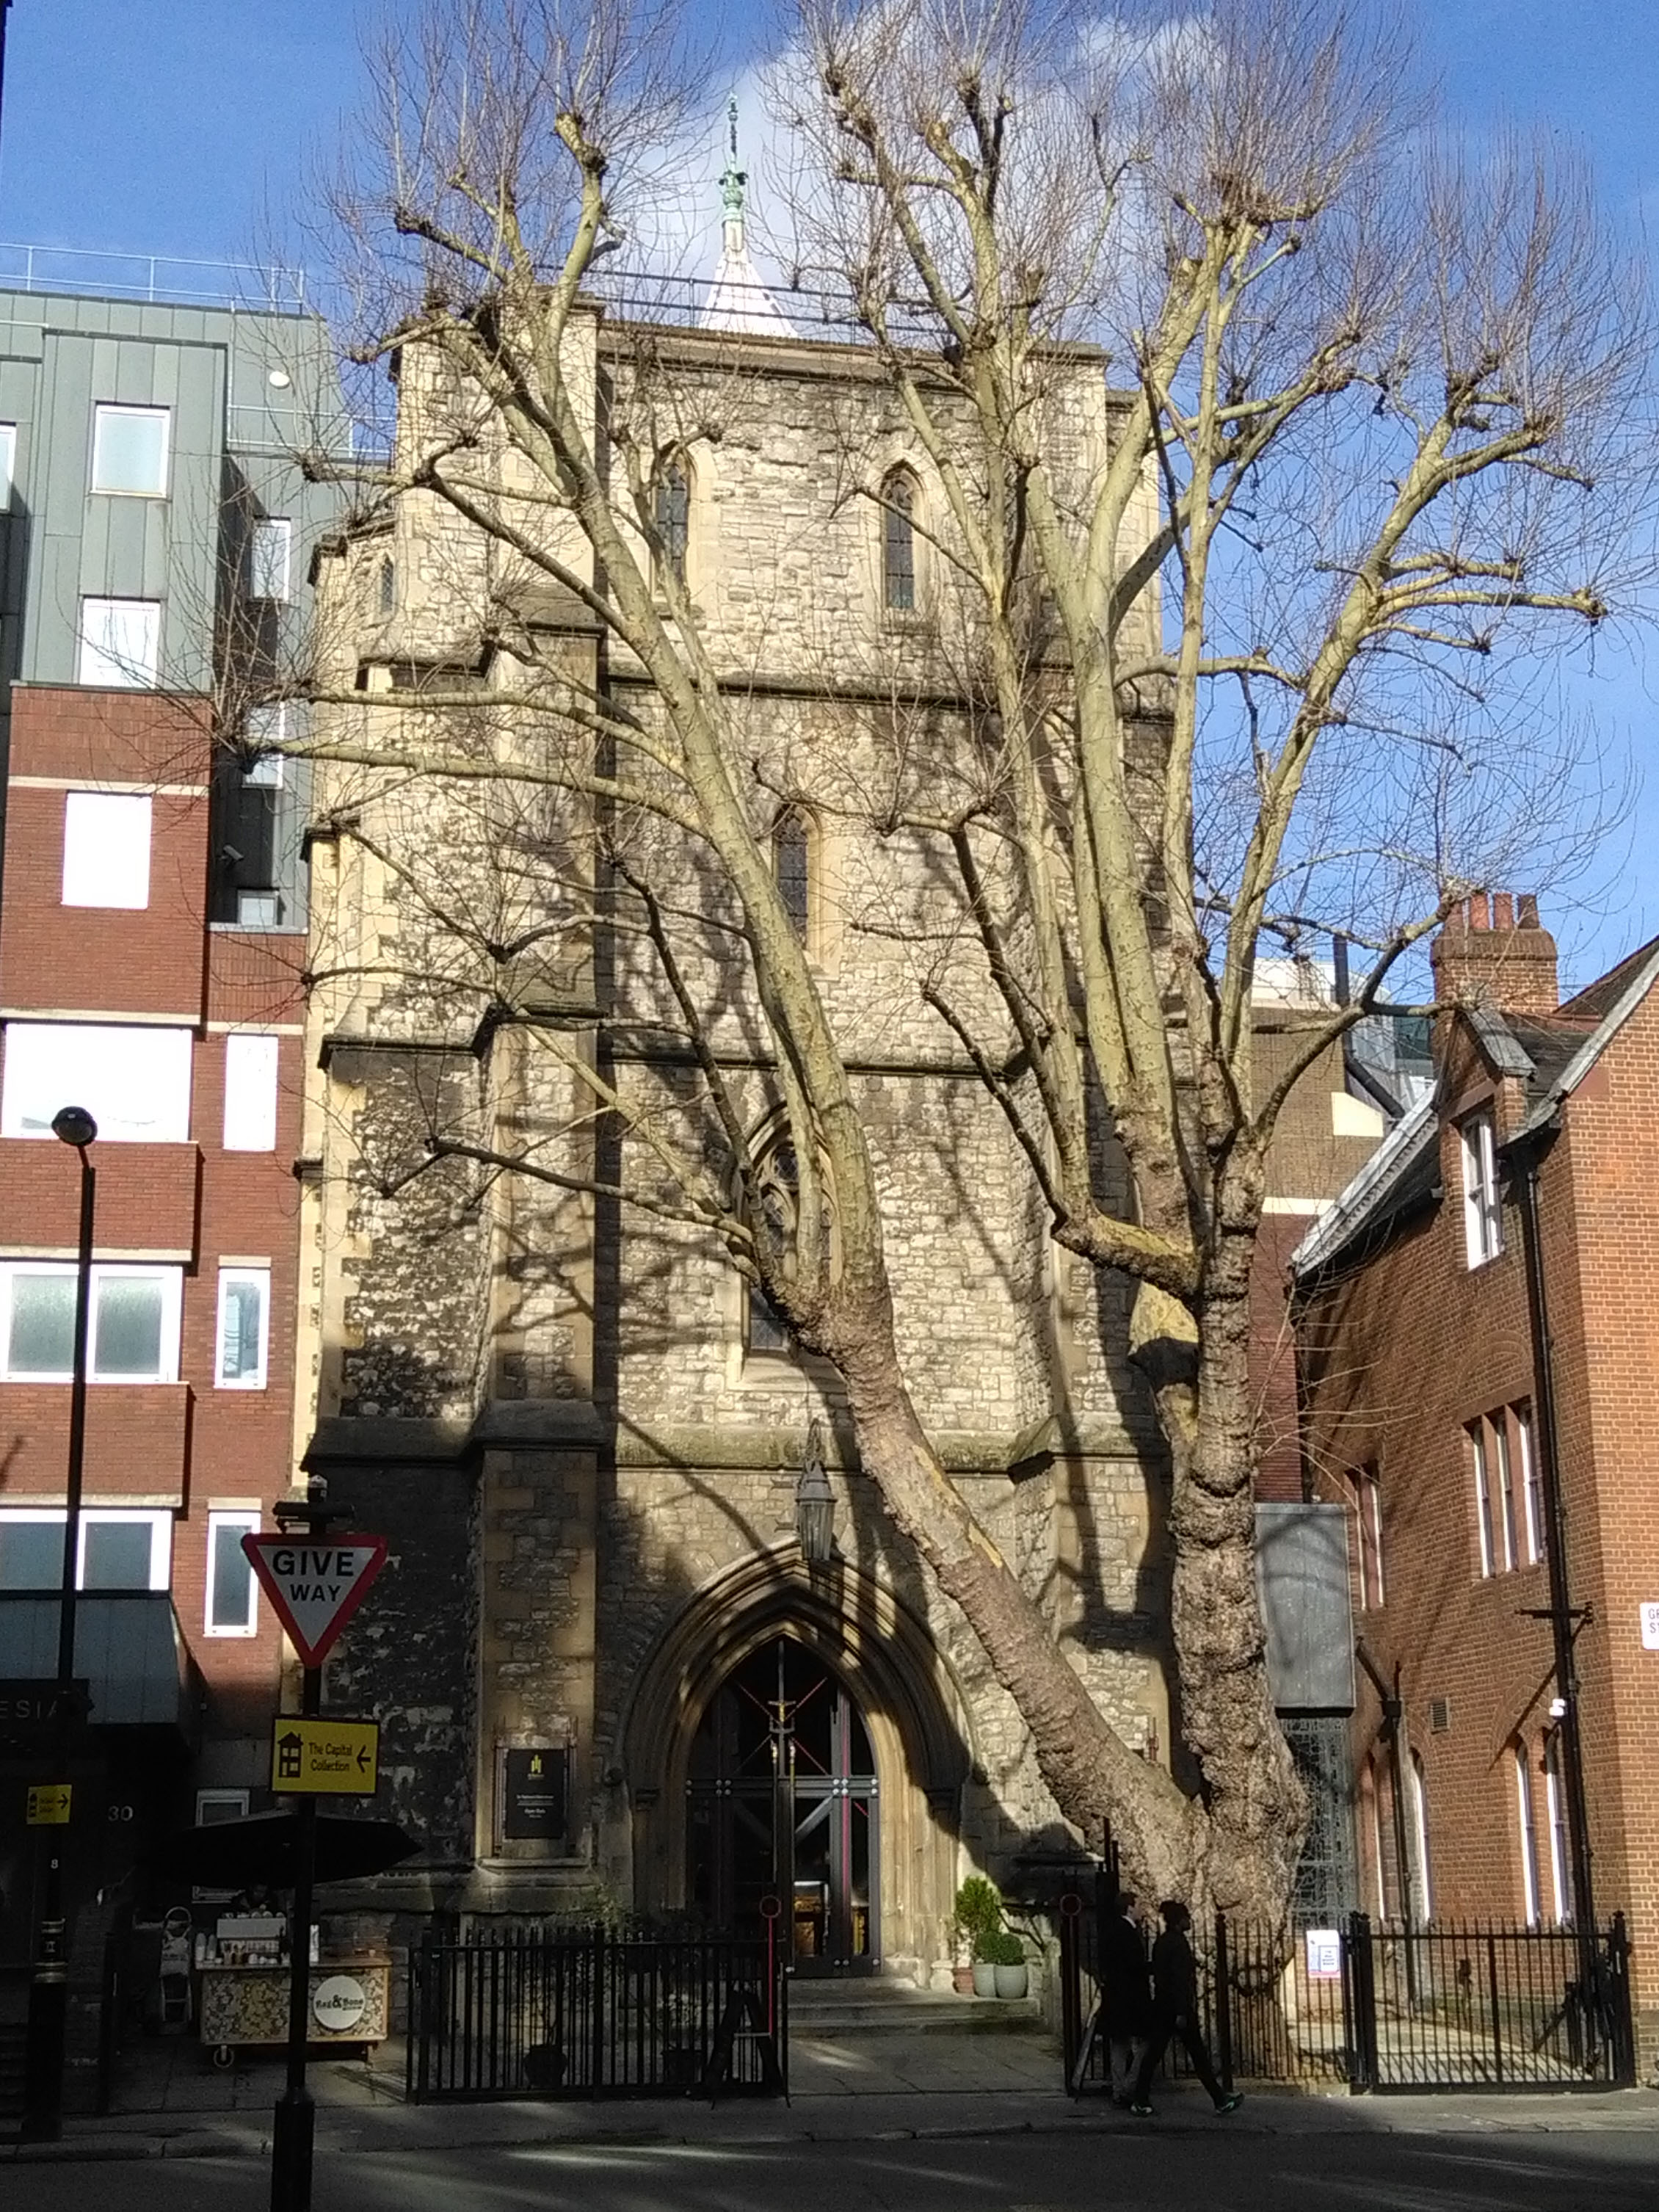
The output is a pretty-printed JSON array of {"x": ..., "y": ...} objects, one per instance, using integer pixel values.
[
  {"x": 544, "y": 2013},
  {"x": 1480, "y": 2005},
  {"x": 1383, "y": 2006}
]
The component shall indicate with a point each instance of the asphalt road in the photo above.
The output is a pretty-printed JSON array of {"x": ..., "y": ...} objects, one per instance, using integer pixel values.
[{"x": 1211, "y": 2167}]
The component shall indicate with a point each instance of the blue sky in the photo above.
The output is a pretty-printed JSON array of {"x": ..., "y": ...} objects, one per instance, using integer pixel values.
[{"x": 168, "y": 126}]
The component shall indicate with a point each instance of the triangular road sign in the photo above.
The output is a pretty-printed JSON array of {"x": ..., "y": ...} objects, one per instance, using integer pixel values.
[{"x": 315, "y": 1583}]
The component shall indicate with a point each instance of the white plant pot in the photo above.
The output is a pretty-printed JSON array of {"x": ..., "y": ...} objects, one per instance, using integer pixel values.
[
  {"x": 1009, "y": 1981},
  {"x": 984, "y": 1980}
]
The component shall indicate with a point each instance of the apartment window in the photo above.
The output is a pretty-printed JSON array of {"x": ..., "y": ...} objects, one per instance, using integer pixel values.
[
  {"x": 1483, "y": 1213},
  {"x": 134, "y": 1322},
  {"x": 1523, "y": 1814},
  {"x": 132, "y": 1080},
  {"x": 265, "y": 727},
  {"x": 1532, "y": 1489},
  {"x": 120, "y": 1548},
  {"x": 251, "y": 1093},
  {"x": 214, "y": 1806},
  {"x": 243, "y": 1327},
  {"x": 385, "y": 586},
  {"x": 130, "y": 450},
  {"x": 8, "y": 464},
  {"x": 120, "y": 644},
  {"x": 898, "y": 543},
  {"x": 233, "y": 1602},
  {"x": 1423, "y": 1901},
  {"x": 1477, "y": 1436},
  {"x": 269, "y": 555},
  {"x": 672, "y": 514},
  {"x": 258, "y": 909},
  {"x": 1555, "y": 1811},
  {"x": 1505, "y": 1500},
  {"x": 1367, "y": 1511},
  {"x": 792, "y": 867},
  {"x": 106, "y": 849}
]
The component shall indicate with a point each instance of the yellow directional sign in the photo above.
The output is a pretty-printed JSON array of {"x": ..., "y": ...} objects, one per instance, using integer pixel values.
[
  {"x": 325, "y": 1758},
  {"x": 48, "y": 1805}
]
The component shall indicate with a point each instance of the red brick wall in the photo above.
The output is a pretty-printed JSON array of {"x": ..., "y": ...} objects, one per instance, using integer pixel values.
[
  {"x": 193, "y": 1440},
  {"x": 1402, "y": 1350}
]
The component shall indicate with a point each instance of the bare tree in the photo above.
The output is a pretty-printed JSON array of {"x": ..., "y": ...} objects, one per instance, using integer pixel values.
[
  {"x": 1393, "y": 402},
  {"x": 1357, "y": 452}
]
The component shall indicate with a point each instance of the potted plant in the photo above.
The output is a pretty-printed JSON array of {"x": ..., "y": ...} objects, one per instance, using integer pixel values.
[
  {"x": 1007, "y": 1955},
  {"x": 978, "y": 1917}
]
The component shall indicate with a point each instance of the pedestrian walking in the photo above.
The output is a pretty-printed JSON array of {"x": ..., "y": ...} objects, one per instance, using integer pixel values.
[
  {"x": 1174, "y": 2012},
  {"x": 1126, "y": 1996}
]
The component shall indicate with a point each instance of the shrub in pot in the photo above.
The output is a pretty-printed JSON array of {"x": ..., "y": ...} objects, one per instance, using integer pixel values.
[
  {"x": 977, "y": 1917},
  {"x": 1009, "y": 1974}
]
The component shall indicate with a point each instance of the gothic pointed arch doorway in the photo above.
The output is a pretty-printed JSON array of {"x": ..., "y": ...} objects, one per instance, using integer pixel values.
[{"x": 783, "y": 1799}]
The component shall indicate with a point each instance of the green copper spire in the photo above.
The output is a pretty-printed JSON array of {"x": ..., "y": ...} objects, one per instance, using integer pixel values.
[{"x": 732, "y": 183}]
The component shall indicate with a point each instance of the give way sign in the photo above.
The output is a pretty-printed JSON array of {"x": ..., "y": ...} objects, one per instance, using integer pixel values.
[{"x": 316, "y": 1584}]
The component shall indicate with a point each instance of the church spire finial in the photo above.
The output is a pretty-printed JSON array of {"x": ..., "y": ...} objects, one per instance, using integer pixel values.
[{"x": 732, "y": 183}]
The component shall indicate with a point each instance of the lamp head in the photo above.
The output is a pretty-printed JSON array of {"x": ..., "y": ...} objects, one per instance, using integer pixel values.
[{"x": 74, "y": 1126}]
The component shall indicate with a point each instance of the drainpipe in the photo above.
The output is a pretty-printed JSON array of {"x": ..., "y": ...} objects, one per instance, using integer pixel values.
[{"x": 1525, "y": 1156}]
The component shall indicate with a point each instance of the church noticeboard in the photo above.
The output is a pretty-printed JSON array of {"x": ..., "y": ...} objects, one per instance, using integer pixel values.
[{"x": 534, "y": 1811}]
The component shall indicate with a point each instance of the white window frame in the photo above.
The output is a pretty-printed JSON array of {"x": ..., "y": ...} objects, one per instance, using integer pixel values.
[
  {"x": 251, "y": 1080},
  {"x": 1532, "y": 1489},
  {"x": 8, "y": 464},
  {"x": 103, "y": 666},
  {"x": 1417, "y": 1783},
  {"x": 159, "y": 1520},
  {"x": 270, "y": 532},
  {"x": 1476, "y": 1433},
  {"x": 1555, "y": 1811},
  {"x": 265, "y": 726},
  {"x": 247, "y": 892},
  {"x": 1505, "y": 1492},
  {"x": 171, "y": 1281},
  {"x": 240, "y": 1799},
  {"x": 247, "y": 1523},
  {"x": 107, "y": 848},
  {"x": 34, "y": 1084},
  {"x": 1482, "y": 1211},
  {"x": 229, "y": 1278},
  {"x": 109, "y": 410},
  {"x": 1523, "y": 1807}
]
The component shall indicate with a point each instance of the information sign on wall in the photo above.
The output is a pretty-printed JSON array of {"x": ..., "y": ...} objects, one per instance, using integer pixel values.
[{"x": 535, "y": 1785}]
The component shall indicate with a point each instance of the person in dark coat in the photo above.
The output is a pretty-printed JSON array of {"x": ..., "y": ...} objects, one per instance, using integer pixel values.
[
  {"x": 1125, "y": 1994},
  {"x": 1174, "y": 2012}
]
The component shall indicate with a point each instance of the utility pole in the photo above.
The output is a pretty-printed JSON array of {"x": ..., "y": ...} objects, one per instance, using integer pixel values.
[{"x": 51, "y": 1810}]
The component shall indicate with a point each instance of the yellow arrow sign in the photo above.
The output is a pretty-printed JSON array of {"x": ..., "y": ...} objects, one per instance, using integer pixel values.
[
  {"x": 325, "y": 1758},
  {"x": 48, "y": 1805}
]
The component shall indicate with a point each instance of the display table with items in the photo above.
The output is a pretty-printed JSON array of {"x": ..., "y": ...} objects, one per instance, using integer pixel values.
[{"x": 242, "y": 1990}]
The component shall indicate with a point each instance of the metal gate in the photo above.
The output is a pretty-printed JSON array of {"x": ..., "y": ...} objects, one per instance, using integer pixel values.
[
  {"x": 1482, "y": 2006},
  {"x": 542, "y": 2013},
  {"x": 1381, "y": 2006}
]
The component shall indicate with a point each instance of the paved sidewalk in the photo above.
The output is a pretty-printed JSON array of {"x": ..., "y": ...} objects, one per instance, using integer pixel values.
[{"x": 872, "y": 2088}]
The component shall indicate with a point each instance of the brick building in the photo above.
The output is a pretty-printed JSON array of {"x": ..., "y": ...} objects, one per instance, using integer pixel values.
[
  {"x": 1479, "y": 1371},
  {"x": 154, "y": 547}
]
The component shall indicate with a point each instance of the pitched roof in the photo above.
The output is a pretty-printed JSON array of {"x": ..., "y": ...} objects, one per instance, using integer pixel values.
[{"x": 1549, "y": 1054}]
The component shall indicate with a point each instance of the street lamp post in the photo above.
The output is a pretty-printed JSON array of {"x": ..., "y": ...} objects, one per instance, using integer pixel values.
[{"x": 43, "y": 2079}]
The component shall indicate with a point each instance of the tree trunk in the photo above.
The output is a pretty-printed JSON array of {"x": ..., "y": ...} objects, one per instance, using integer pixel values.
[
  {"x": 1256, "y": 1805},
  {"x": 1091, "y": 1772}
]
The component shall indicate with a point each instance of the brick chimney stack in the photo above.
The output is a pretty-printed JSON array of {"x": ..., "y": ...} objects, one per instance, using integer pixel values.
[{"x": 1492, "y": 951}]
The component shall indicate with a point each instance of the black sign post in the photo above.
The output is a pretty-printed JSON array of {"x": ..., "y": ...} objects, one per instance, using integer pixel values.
[{"x": 295, "y": 2120}]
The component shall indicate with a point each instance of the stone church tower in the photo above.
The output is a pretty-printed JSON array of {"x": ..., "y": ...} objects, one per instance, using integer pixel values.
[{"x": 601, "y": 1645}]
